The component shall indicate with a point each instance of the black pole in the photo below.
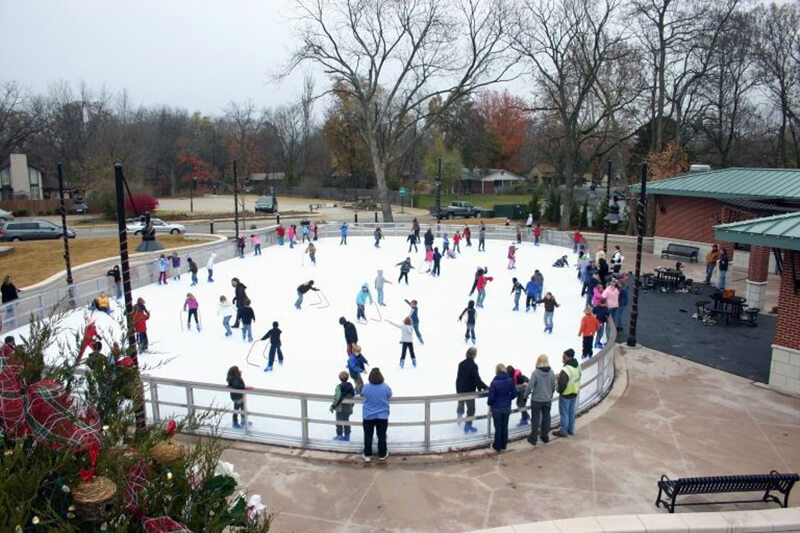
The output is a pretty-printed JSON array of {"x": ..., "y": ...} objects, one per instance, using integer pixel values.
[
  {"x": 641, "y": 222},
  {"x": 126, "y": 289},
  {"x": 191, "y": 196},
  {"x": 63, "y": 204},
  {"x": 235, "y": 198},
  {"x": 439, "y": 191},
  {"x": 608, "y": 202}
]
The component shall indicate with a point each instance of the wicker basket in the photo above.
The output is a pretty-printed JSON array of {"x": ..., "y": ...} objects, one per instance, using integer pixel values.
[
  {"x": 96, "y": 500},
  {"x": 168, "y": 451}
]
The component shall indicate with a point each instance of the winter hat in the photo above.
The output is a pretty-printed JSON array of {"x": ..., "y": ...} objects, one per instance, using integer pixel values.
[
  {"x": 380, "y": 271},
  {"x": 569, "y": 352},
  {"x": 364, "y": 286},
  {"x": 342, "y": 320}
]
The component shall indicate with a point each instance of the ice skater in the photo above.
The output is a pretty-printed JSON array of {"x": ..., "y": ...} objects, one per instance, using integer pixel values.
[
  {"x": 519, "y": 235},
  {"x": 414, "y": 316},
  {"x": 537, "y": 234},
  {"x": 588, "y": 328},
  {"x": 516, "y": 290},
  {"x": 240, "y": 244},
  {"x": 301, "y": 292},
  {"x": 225, "y": 310},
  {"x": 561, "y": 262},
  {"x": 239, "y": 299},
  {"x": 274, "y": 336},
  {"x": 192, "y": 270},
  {"x": 140, "y": 317},
  {"x": 248, "y": 316},
  {"x": 412, "y": 242},
  {"x": 311, "y": 250},
  {"x": 482, "y": 238},
  {"x": 406, "y": 340},
  {"x": 162, "y": 270},
  {"x": 176, "y": 266},
  {"x": 281, "y": 233},
  {"x": 482, "y": 280},
  {"x": 456, "y": 241},
  {"x": 350, "y": 334},
  {"x": 304, "y": 233},
  {"x": 437, "y": 260},
  {"x": 292, "y": 235},
  {"x": 445, "y": 244},
  {"x": 405, "y": 268},
  {"x": 471, "y": 312},
  {"x": 361, "y": 302},
  {"x": 428, "y": 240},
  {"x": 377, "y": 235},
  {"x": 379, "y": 281},
  {"x": 429, "y": 260},
  {"x": 210, "y": 266},
  {"x": 415, "y": 229},
  {"x": 478, "y": 273},
  {"x": 550, "y": 305},
  {"x": 343, "y": 233},
  {"x": 512, "y": 257},
  {"x": 256, "y": 242},
  {"x": 191, "y": 305}
]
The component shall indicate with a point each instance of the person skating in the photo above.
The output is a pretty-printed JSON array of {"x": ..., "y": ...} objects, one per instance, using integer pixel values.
[
  {"x": 501, "y": 392},
  {"x": 516, "y": 290},
  {"x": 520, "y": 381},
  {"x": 343, "y": 233},
  {"x": 445, "y": 244},
  {"x": 361, "y": 301},
  {"x": 601, "y": 314},
  {"x": 406, "y": 340},
  {"x": 467, "y": 233},
  {"x": 412, "y": 242},
  {"x": 537, "y": 234},
  {"x": 140, "y": 317},
  {"x": 471, "y": 313},
  {"x": 541, "y": 386},
  {"x": 482, "y": 238},
  {"x": 350, "y": 334},
  {"x": 550, "y": 305},
  {"x": 248, "y": 316},
  {"x": 210, "y": 266},
  {"x": 468, "y": 380},
  {"x": 311, "y": 250},
  {"x": 437, "y": 260},
  {"x": 429, "y": 240},
  {"x": 191, "y": 305},
  {"x": 256, "y": 242},
  {"x": 531, "y": 290},
  {"x": 301, "y": 292},
  {"x": 588, "y": 328},
  {"x": 291, "y": 234},
  {"x": 415, "y": 229},
  {"x": 478, "y": 273},
  {"x": 577, "y": 241},
  {"x": 239, "y": 299},
  {"x": 281, "y": 234},
  {"x": 235, "y": 381},
  {"x": 176, "y": 266},
  {"x": 616, "y": 260},
  {"x": 568, "y": 385},
  {"x": 512, "y": 257},
  {"x": 414, "y": 316},
  {"x": 304, "y": 233},
  {"x": 377, "y": 235},
  {"x": 483, "y": 279},
  {"x": 456, "y": 241},
  {"x": 519, "y": 235},
  {"x": 379, "y": 281},
  {"x": 225, "y": 309},
  {"x": 356, "y": 365},
  {"x": 315, "y": 231},
  {"x": 240, "y": 245},
  {"x": 529, "y": 221},
  {"x": 274, "y": 336},
  {"x": 561, "y": 262},
  {"x": 162, "y": 270},
  {"x": 343, "y": 409},
  {"x": 429, "y": 260},
  {"x": 192, "y": 270},
  {"x": 405, "y": 267},
  {"x": 115, "y": 274}
]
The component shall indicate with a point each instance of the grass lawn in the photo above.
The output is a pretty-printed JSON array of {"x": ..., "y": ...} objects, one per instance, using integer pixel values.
[
  {"x": 427, "y": 201},
  {"x": 34, "y": 261}
]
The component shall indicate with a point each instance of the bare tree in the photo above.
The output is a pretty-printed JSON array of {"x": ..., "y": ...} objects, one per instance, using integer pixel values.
[
  {"x": 567, "y": 43},
  {"x": 21, "y": 117},
  {"x": 394, "y": 57},
  {"x": 243, "y": 122},
  {"x": 292, "y": 125}
]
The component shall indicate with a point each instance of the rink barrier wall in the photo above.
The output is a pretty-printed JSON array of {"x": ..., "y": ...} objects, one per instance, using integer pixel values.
[{"x": 598, "y": 373}]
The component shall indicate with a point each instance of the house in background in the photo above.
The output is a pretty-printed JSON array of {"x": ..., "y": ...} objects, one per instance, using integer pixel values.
[
  {"x": 542, "y": 174},
  {"x": 489, "y": 181},
  {"x": 18, "y": 181}
]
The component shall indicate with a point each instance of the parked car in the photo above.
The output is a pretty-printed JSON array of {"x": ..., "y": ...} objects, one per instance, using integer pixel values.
[
  {"x": 5, "y": 215},
  {"x": 30, "y": 230},
  {"x": 80, "y": 208},
  {"x": 267, "y": 204},
  {"x": 136, "y": 227},
  {"x": 456, "y": 209}
]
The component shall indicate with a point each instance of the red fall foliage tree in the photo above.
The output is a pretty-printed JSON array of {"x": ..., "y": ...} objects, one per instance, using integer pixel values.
[{"x": 506, "y": 122}]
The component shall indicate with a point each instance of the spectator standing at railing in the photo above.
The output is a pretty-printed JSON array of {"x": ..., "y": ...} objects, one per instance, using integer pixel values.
[
  {"x": 344, "y": 390},
  {"x": 117, "y": 277},
  {"x": 602, "y": 267},
  {"x": 616, "y": 259},
  {"x": 9, "y": 291},
  {"x": 235, "y": 381},
  {"x": 501, "y": 391},
  {"x": 611, "y": 294},
  {"x": 568, "y": 385},
  {"x": 468, "y": 379},
  {"x": 256, "y": 242},
  {"x": 541, "y": 386},
  {"x": 375, "y": 410}
]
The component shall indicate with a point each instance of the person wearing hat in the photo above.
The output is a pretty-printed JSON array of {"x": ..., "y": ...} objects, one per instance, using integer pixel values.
[
  {"x": 356, "y": 365},
  {"x": 361, "y": 300},
  {"x": 711, "y": 261},
  {"x": 350, "y": 334},
  {"x": 569, "y": 383}
]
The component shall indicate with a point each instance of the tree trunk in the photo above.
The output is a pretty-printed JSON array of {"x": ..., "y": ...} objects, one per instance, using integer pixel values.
[
  {"x": 569, "y": 166},
  {"x": 172, "y": 180}
]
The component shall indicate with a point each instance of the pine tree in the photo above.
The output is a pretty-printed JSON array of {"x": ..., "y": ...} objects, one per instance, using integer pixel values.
[{"x": 584, "y": 223}]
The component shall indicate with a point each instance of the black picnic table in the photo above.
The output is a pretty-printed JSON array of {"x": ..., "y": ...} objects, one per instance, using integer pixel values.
[
  {"x": 668, "y": 278},
  {"x": 731, "y": 308}
]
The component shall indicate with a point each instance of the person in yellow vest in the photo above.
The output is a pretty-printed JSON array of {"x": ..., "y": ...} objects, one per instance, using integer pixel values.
[
  {"x": 569, "y": 383},
  {"x": 101, "y": 303},
  {"x": 711, "y": 261}
]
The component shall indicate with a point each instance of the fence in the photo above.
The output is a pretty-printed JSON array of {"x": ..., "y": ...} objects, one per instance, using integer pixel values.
[{"x": 341, "y": 194}]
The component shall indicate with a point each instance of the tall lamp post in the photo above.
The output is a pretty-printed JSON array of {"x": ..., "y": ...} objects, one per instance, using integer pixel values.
[
  {"x": 192, "y": 187},
  {"x": 641, "y": 222},
  {"x": 63, "y": 206},
  {"x": 608, "y": 205},
  {"x": 439, "y": 194},
  {"x": 235, "y": 198}
]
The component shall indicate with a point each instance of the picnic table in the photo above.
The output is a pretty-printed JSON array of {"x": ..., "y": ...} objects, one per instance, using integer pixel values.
[
  {"x": 731, "y": 308},
  {"x": 668, "y": 278}
]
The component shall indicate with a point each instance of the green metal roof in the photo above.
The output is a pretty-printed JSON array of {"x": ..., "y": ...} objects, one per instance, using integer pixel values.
[
  {"x": 731, "y": 183},
  {"x": 780, "y": 231}
]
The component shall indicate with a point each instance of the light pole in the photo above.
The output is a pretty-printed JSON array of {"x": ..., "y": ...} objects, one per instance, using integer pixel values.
[
  {"x": 608, "y": 204},
  {"x": 439, "y": 193},
  {"x": 192, "y": 187},
  {"x": 64, "y": 229},
  {"x": 235, "y": 198},
  {"x": 641, "y": 222}
]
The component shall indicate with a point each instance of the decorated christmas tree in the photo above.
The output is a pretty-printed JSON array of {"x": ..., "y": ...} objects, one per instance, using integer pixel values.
[{"x": 73, "y": 460}]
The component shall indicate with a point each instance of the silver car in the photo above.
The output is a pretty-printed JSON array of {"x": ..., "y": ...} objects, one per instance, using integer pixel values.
[
  {"x": 159, "y": 225},
  {"x": 31, "y": 230}
]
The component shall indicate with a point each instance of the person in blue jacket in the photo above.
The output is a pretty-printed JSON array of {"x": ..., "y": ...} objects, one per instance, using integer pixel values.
[
  {"x": 501, "y": 392},
  {"x": 414, "y": 316},
  {"x": 361, "y": 301},
  {"x": 343, "y": 232},
  {"x": 623, "y": 303},
  {"x": 356, "y": 365},
  {"x": 376, "y": 395}
]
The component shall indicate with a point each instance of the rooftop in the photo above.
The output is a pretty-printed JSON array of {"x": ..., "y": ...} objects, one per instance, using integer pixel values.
[
  {"x": 732, "y": 183},
  {"x": 780, "y": 231}
]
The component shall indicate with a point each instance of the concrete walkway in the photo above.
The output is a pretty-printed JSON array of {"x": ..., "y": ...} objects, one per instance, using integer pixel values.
[{"x": 670, "y": 416}]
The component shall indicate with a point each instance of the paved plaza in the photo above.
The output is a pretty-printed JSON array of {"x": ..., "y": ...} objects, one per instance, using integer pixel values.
[{"x": 665, "y": 415}]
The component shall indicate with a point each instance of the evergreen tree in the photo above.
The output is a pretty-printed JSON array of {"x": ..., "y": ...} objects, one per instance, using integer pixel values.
[
  {"x": 552, "y": 210},
  {"x": 584, "y": 223}
]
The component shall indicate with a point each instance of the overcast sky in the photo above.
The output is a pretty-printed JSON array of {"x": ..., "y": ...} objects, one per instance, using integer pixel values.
[{"x": 195, "y": 54}]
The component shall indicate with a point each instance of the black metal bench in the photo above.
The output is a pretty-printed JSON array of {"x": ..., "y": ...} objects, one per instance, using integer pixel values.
[
  {"x": 681, "y": 250},
  {"x": 766, "y": 483}
]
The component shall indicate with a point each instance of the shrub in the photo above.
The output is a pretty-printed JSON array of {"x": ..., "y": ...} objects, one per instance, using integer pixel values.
[
  {"x": 552, "y": 210},
  {"x": 144, "y": 203},
  {"x": 21, "y": 213},
  {"x": 585, "y": 214}
]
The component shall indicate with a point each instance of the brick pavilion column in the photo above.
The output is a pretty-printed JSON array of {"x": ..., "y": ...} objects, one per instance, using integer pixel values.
[
  {"x": 784, "y": 371},
  {"x": 757, "y": 272}
]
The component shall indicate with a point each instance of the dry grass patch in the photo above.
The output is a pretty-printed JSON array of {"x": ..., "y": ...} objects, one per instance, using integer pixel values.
[{"x": 34, "y": 261}]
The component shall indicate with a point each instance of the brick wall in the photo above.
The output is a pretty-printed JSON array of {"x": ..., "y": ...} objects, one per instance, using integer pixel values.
[
  {"x": 787, "y": 332},
  {"x": 758, "y": 269},
  {"x": 690, "y": 219}
]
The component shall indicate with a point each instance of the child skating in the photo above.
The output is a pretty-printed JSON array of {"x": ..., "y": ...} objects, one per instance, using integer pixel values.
[
  {"x": 162, "y": 270},
  {"x": 516, "y": 290},
  {"x": 482, "y": 281},
  {"x": 405, "y": 268},
  {"x": 311, "y": 250},
  {"x": 240, "y": 244},
  {"x": 344, "y": 390},
  {"x": 537, "y": 234},
  {"x": 379, "y": 281},
  {"x": 456, "y": 241},
  {"x": 471, "y": 312},
  {"x": 225, "y": 309},
  {"x": 412, "y": 242},
  {"x": 210, "y": 266},
  {"x": 176, "y": 266},
  {"x": 414, "y": 316},
  {"x": 445, "y": 244},
  {"x": 550, "y": 305},
  {"x": 140, "y": 317},
  {"x": 429, "y": 261},
  {"x": 343, "y": 233},
  {"x": 274, "y": 336},
  {"x": 192, "y": 270},
  {"x": 588, "y": 328},
  {"x": 361, "y": 302},
  {"x": 512, "y": 257},
  {"x": 256, "y": 242},
  {"x": 191, "y": 306},
  {"x": 356, "y": 365},
  {"x": 467, "y": 236},
  {"x": 437, "y": 263},
  {"x": 291, "y": 235},
  {"x": 482, "y": 238},
  {"x": 377, "y": 235},
  {"x": 407, "y": 340},
  {"x": 248, "y": 317}
]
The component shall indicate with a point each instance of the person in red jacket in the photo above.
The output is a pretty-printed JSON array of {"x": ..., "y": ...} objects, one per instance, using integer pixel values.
[
  {"x": 468, "y": 235},
  {"x": 140, "y": 317},
  {"x": 280, "y": 232},
  {"x": 483, "y": 279},
  {"x": 577, "y": 239},
  {"x": 456, "y": 240},
  {"x": 537, "y": 234}
]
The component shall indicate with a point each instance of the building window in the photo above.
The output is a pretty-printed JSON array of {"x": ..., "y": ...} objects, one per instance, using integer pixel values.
[
  {"x": 34, "y": 176},
  {"x": 5, "y": 177}
]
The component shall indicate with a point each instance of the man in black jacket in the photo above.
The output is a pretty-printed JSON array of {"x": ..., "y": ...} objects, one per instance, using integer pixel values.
[
  {"x": 468, "y": 380},
  {"x": 239, "y": 299},
  {"x": 350, "y": 334}
]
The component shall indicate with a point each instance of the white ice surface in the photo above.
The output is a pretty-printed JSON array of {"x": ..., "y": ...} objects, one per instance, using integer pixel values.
[{"x": 313, "y": 340}]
